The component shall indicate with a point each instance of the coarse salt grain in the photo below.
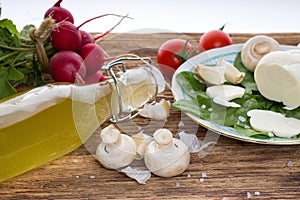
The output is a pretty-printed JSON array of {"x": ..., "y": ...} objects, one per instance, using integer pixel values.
[
  {"x": 75, "y": 160},
  {"x": 270, "y": 134},
  {"x": 204, "y": 175},
  {"x": 181, "y": 124},
  {"x": 210, "y": 109},
  {"x": 242, "y": 119},
  {"x": 77, "y": 176},
  {"x": 203, "y": 106},
  {"x": 92, "y": 177},
  {"x": 224, "y": 198},
  {"x": 177, "y": 184},
  {"x": 189, "y": 176},
  {"x": 201, "y": 180},
  {"x": 289, "y": 164},
  {"x": 249, "y": 195},
  {"x": 256, "y": 193}
]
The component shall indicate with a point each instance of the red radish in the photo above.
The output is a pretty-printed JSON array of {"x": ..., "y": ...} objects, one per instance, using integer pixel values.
[
  {"x": 86, "y": 38},
  {"x": 59, "y": 13},
  {"x": 94, "y": 78},
  {"x": 66, "y": 66},
  {"x": 93, "y": 56},
  {"x": 65, "y": 37}
]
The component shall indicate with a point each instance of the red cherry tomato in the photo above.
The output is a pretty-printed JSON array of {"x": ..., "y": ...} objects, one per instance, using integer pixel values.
[
  {"x": 172, "y": 54},
  {"x": 214, "y": 39}
]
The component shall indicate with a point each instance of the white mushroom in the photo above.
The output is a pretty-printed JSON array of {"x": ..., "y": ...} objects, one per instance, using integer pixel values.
[
  {"x": 255, "y": 48},
  {"x": 157, "y": 111},
  {"x": 141, "y": 140},
  {"x": 232, "y": 74},
  {"x": 277, "y": 123},
  {"x": 212, "y": 75},
  {"x": 166, "y": 156},
  {"x": 223, "y": 94},
  {"x": 278, "y": 77},
  {"x": 116, "y": 150}
]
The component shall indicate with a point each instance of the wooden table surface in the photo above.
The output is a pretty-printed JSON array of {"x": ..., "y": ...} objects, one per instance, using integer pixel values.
[{"x": 234, "y": 169}]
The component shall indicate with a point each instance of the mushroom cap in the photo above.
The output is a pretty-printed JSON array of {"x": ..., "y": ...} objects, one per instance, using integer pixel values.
[
  {"x": 166, "y": 156},
  {"x": 255, "y": 48},
  {"x": 116, "y": 150}
]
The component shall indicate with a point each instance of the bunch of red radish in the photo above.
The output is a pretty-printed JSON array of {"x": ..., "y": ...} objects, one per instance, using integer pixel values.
[{"x": 78, "y": 58}]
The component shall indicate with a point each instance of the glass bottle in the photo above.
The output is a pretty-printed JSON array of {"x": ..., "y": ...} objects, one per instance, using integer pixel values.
[{"x": 48, "y": 122}]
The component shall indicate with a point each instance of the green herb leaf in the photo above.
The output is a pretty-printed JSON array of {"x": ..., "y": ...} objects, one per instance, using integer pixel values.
[
  {"x": 190, "y": 85},
  {"x": 248, "y": 81},
  {"x": 202, "y": 106},
  {"x": 6, "y": 23},
  {"x": 6, "y": 88}
]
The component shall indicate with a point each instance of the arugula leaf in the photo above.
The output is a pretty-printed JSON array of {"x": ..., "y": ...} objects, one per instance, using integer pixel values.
[
  {"x": 248, "y": 81},
  {"x": 192, "y": 107},
  {"x": 190, "y": 85},
  {"x": 203, "y": 107},
  {"x": 6, "y": 23},
  {"x": 6, "y": 88},
  {"x": 251, "y": 133}
]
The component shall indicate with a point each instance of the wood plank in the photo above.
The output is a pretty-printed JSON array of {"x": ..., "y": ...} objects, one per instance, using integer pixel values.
[{"x": 233, "y": 167}]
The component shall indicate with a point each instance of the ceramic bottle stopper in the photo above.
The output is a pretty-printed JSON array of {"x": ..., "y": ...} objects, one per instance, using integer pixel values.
[
  {"x": 116, "y": 150},
  {"x": 166, "y": 156}
]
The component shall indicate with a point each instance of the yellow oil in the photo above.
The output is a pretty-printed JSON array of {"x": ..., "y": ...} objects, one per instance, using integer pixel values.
[
  {"x": 48, "y": 135},
  {"x": 63, "y": 127}
]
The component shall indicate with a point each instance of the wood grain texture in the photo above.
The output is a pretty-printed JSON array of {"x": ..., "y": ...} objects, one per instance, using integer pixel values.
[{"x": 233, "y": 168}]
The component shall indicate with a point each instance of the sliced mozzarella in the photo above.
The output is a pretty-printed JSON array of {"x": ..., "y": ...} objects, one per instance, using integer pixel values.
[
  {"x": 277, "y": 123},
  {"x": 277, "y": 76},
  {"x": 222, "y": 94}
]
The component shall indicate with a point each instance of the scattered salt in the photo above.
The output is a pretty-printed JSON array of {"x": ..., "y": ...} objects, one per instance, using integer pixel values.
[
  {"x": 92, "y": 177},
  {"x": 204, "y": 175},
  {"x": 75, "y": 160},
  {"x": 242, "y": 119},
  {"x": 249, "y": 195},
  {"x": 192, "y": 91},
  {"x": 289, "y": 164},
  {"x": 203, "y": 106},
  {"x": 256, "y": 193},
  {"x": 224, "y": 198},
  {"x": 189, "y": 176},
  {"x": 201, "y": 180},
  {"x": 210, "y": 109},
  {"x": 177, "y": 184},
  {"x": 77, "y": 176},
  {"x": 270, "y": 134},
  {"x": 246, "y": 126},
  {"x": 181, "y": 124}
]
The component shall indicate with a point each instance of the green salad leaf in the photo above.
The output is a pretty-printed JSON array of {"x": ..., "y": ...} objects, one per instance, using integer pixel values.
[
  {"x": 202, "y": 106},
  {"x": 18, "y": 58}
]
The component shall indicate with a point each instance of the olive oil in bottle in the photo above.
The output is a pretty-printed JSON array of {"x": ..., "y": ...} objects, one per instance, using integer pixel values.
[{"x": 48, "y": 122}]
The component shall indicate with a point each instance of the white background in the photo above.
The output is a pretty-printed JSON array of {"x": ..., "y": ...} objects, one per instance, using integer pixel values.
[{"x": 251, "y": 16}]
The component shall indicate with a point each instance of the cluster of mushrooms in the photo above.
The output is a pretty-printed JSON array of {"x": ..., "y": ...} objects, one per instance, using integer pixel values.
[{"x": 162, "y": 154}]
